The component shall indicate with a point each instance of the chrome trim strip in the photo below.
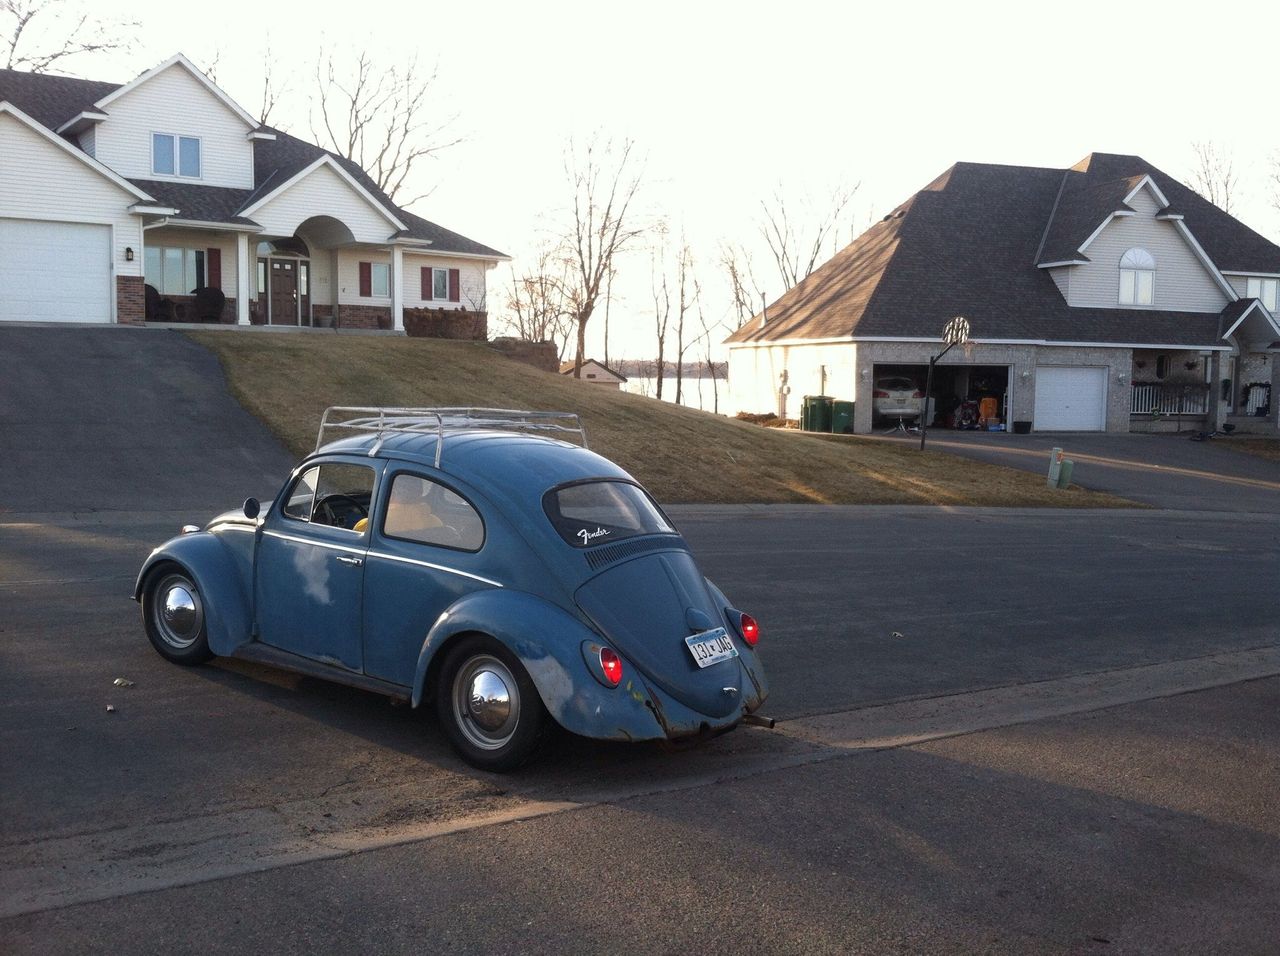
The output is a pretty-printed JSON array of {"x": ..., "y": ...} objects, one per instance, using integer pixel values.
[
  {"x": 434, "y": 567},
  {"x": 319, "y": 544}
]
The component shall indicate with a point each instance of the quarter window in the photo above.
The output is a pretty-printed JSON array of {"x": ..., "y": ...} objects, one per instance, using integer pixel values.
[
  {"x": 175, "y": 155},
  {"x": 1137, "y": 278},
  {"x": 425, "y": 512},
  {"x": 1264, "y": 289},
  {"x": 380, "y": 278}
]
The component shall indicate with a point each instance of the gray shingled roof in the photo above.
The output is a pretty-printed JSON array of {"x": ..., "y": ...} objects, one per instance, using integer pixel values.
[
  {"x": 967, "y": 245},
  {"x": 52, "y": 100}
]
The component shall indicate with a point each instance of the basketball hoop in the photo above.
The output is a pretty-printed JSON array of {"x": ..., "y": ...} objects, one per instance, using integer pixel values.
[{"x": 955, "y": 332}]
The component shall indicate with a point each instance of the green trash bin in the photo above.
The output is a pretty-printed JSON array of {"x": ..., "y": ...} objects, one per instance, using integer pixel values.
[
  {"x": 819, "y": 414},
  {"x": 842, "y": 417},
  {"x": 806, "y": 414}
]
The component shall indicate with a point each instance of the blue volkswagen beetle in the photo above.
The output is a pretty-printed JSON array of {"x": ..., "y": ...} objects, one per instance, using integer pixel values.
[{"x": 475, "y": 559}]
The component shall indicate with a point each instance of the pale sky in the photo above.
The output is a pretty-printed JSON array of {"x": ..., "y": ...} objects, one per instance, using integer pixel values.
[{"x": 727, "y": 100}]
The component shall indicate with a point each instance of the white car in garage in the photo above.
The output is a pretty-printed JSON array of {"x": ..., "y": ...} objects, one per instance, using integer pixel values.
[{"x": 896, "y": 397}]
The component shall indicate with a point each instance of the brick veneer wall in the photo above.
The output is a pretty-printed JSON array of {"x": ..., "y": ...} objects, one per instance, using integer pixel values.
[
  {"x": 185, "y": 310},
  {"x": 446, "y": 324},
  {"x": 322, "y": 316},
  {"x": 541, "y": 355},
  {"x": 364, "y": 317},
  {"x": 131, "y": 301}
]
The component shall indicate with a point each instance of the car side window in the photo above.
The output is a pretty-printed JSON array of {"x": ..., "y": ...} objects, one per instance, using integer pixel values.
[
  {"x": 425, "y": 512},
  {"x": 337, "y": 495}
]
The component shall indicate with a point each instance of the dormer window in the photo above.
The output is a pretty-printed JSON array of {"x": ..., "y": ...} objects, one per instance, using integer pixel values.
[
  {"x": 1137, "y": 278},
  {"x": 175, "y": 155},
  {"x": 1265, "y": 289}
]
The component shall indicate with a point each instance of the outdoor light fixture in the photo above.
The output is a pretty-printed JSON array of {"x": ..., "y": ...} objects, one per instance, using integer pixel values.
[
  {"x": 128, "y": 253},
  {"x": 866, "y": 373},
  {"x": 1026, "y": 374}
]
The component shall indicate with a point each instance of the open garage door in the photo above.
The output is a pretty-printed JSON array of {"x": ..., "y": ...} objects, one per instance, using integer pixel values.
[
  {"x": 1071, "y": 399},
  {"x": 54, "y": 271}
]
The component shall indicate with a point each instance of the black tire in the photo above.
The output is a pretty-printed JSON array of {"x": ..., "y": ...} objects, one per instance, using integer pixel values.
[
  {"x": 504, "y": 731},
  {"x": 173, "y": 614}
]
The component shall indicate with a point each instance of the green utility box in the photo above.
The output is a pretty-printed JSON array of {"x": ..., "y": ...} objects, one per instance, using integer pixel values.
[
  {"x": 842, "y": 417},
  {"x": 815, "y": 413}
]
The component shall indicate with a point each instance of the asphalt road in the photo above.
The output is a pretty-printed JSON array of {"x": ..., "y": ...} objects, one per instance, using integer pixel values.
[{"x": 231, "y": 808}]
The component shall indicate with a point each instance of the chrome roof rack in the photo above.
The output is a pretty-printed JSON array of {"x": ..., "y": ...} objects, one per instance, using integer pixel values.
[{"x": 385, "y": 422}]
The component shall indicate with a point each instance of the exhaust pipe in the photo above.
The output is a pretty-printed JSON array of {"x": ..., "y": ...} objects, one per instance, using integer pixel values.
[{"x": 755, "y": 720}]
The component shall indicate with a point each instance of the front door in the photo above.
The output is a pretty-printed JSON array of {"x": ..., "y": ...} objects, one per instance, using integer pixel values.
[
  {"x": 284, "y": 292},
  {"x": 310, "y": 565}
]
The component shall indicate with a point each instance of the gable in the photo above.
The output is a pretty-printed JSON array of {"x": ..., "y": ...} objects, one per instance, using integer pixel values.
[
  {"x": 1183, "y": 282},
  {"x": 323, "y": 192},
  {"x": 176, "y": 102}
]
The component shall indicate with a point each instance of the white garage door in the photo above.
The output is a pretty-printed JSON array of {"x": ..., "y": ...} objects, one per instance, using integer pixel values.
[
  {"x": 54, "y": 271},
  {"x": 1071, "y": 399}
]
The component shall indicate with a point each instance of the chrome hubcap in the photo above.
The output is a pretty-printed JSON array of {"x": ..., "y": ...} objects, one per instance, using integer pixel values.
[
  {"x": 486, "y": 702},
  {"x": 178, "y": 614}
]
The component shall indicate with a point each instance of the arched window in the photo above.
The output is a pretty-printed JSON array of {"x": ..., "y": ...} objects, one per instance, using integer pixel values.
[{"x": 1137, "y": 278}]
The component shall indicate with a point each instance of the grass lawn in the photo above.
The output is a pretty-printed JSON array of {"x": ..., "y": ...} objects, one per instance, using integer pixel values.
[
  {"x": 680, "y": 454},
  {"x": 1268, "y": 448}
]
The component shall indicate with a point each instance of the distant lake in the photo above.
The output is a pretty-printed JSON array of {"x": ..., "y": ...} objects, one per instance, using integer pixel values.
[{"x": 696, "y": 391}]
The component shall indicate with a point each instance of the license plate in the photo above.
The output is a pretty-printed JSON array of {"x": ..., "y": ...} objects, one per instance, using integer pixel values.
[{"x": 711, "y": 647}]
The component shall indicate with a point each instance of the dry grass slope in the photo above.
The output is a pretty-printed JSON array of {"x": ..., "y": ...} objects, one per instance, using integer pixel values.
[{"x": 680, "y": 454}]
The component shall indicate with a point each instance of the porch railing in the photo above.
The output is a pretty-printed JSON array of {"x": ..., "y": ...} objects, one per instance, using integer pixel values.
[{"x": 1169, "y": 400}]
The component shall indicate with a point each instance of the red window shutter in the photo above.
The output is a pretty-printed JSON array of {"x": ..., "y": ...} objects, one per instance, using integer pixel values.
[
  {"x": 366, "y": 280},
  {"x": 426, "y": 283},
  {"x": 213, "y": 268},
  {"x": 455, "y": 285}
]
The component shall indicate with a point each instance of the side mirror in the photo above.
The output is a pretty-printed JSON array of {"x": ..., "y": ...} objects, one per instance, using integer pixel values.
[{"x": 252, "y": 507}]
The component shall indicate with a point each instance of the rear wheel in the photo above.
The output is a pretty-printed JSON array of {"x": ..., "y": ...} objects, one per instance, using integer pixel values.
[
  {"x": 173, "y": 612},
  {"x": 489, "y": 706}
]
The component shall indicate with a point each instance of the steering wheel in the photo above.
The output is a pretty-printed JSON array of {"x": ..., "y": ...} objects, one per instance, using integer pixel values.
[{"x": 325, "y": 508}]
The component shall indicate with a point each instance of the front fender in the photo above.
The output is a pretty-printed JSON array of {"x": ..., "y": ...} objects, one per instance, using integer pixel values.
[
  {"x": 548, "y": 641},
  {"x": 213, "y": 568}
]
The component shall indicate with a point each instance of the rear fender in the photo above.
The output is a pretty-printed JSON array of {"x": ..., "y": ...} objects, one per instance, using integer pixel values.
[
  {"x": 213, "y": 568},
  {"x": 548, "y": 642}
]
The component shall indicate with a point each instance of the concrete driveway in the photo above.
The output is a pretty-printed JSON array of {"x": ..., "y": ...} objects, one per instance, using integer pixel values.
[{"x": 1166, "y": 471}]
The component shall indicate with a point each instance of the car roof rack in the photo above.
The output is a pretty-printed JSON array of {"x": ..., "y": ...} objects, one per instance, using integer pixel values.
[{"x": 385, "y": 422}]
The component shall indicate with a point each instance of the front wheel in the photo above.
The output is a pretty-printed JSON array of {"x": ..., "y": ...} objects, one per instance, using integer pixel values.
[
  {"x": 489, "y": 706},
  {"x": 173, "y": 612}
]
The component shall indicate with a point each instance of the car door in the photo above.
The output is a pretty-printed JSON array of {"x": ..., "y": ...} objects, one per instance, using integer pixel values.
[
  {"x": 309, "y": 573},
  {"x": 425, "y": 555}
]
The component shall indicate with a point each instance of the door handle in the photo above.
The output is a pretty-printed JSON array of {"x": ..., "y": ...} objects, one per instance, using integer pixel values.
[{"x": 355, "y": 562}]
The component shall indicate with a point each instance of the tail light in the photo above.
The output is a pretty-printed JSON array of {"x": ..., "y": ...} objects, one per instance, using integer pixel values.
[
  {"x": 917, "y": 394},
  {"x": 611, "y": 664},
  {"x": 750, "y": 630},
  {"x": 879, "y": 393}
]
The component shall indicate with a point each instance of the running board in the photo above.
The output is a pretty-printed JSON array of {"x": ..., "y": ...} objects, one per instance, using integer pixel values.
[{"x": 274, "y": 657}]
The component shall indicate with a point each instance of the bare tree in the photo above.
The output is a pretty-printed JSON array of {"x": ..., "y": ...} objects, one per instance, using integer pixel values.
[
  {"x": 795, "y": 237},
  {"x": 37, "y": 35},
  {"x": 661, "y": 303},
  {"x": 272, "y": 92},
  {"x": 605, "y": 179},
  {"x": 380, "y": 118},
  {"x": 1213, "y": 175},
  {"x": 1273, "y": 181},
  {"x": 687, "y": 285},
  {"x": 539, "y": 311},
  {"x": 708, "y": 362},
  {"x": 739, "y": 270}
]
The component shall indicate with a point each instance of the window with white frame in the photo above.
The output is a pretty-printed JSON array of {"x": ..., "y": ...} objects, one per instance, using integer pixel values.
[
  {"x": 175, "y": 155},
  {"x": 380, "y": 278},
  {"x": 1137, "y": 278},
  {"x": 174, "y": 271},
  {"x": 1256, "y": 287},
  {"x": 440, "y": 284}
]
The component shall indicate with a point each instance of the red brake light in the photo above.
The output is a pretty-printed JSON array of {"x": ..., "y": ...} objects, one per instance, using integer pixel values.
[
  {"x": 611, "y": 664},
  {"x": 879, "y": 393},
  {"x": 750, "y": 630},
  {"x": 917, "y": 394}
]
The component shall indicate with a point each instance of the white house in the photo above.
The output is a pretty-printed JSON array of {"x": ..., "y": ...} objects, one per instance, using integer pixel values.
[
  {"x": 167, "y": 181},
  {"x": 1103, "y": 297},
  {"x": 597, "y": 373}
]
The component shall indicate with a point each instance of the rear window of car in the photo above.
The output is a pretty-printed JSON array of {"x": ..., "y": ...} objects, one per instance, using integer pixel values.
[
  {"x": 598, "y": 512},
  {"x": 896, "y": 384}
]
